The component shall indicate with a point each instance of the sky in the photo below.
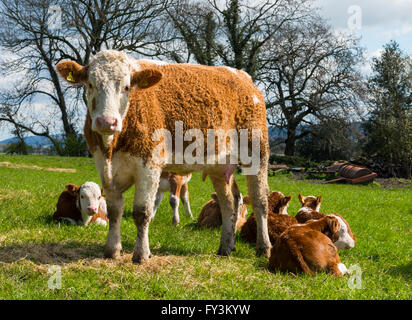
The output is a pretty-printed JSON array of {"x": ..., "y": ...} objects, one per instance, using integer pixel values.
[
  {"x": 375, "y": 21},
  {"x": 380, "y": 21}
]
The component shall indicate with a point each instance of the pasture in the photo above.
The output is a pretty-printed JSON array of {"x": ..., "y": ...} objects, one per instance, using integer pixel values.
[{"x": 184, "y": 264}]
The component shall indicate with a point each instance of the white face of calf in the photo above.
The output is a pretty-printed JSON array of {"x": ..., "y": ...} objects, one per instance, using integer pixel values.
[
  {"x": 346, "y": 239},
  {"x": 90, "y": 198},
  {"x": 109, "y": 77}
]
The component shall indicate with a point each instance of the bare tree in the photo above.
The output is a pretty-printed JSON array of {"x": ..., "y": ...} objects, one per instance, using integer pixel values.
[
  {"x": 310, "y": 76},
  {"x": 231, "y": 32},
  {"x": 87, "y": 26}
]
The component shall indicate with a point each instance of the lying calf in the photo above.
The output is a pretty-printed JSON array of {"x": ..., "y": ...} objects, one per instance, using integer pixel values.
[
  {"x": 178, "y": 187},
  {"x": 310, "y": 211},
  {"x": 278, "y": 218},
  {"x": 82, "y": 205},
  {"x": 211, "y": 216},
  {"x": 307, "y": 248}
]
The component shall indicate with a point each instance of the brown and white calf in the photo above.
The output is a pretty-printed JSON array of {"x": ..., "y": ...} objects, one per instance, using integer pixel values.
[
  {"x": 83, "y": 205},
  {"x": 134, "y": 104},
  {"x": 178, "y": 188},
  {"x": 211, "y": 215},
  {"x": 278, "y": 218},
  {"x": 310, "y": 211},
  {"x": 306, "y": 248}
]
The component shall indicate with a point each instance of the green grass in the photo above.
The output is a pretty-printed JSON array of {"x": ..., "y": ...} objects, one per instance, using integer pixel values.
[{"x": 184, "y": 263}]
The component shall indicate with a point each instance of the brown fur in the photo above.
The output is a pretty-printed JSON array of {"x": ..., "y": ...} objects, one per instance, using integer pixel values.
[
  {"x": 277, "y": 223},
  {"x": 305, "y": 248},
  {"x": 67, "y": 208},
  {"x": 183, "y": 94},
  {"x": 211, "y": 216}
]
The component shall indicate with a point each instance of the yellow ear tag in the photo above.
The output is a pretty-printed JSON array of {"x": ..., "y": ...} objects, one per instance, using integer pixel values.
[
  {"x": 144, "y": 84},
  {"x": 70, "y": 77}
]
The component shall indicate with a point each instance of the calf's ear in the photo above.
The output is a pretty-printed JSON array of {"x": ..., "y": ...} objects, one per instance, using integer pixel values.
[
  {"x": 214, "y": 197},
  {"x": 334, "y": 229},
  {"x": 146, "y": 78},
  {"x": 73, "y": 189},
  {"x": 72, "y": 72},
  {"x": 319, "y": 199},
  {"x": 301, "y": 199},
  {"x": 286, "y": 200}
]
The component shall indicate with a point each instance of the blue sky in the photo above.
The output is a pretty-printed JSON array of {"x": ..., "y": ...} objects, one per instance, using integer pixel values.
[
  {"x": 381, "y": 21},
  {"x": 376, "y": 21}
]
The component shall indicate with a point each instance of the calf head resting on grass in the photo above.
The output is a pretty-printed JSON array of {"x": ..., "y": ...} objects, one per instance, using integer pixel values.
[
  {"x": 308, "y": 248},
  {"x": 309, "y": 211},
  {"x": 133, "y": 105},
  {"x": 83, "y": 204}
]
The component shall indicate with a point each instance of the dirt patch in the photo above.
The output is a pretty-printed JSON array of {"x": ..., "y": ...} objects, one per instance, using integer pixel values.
[
  {"x": 76, "y": 256},
  {"x": 384, "y": 183},
  {"x": 24, "y": 166}
]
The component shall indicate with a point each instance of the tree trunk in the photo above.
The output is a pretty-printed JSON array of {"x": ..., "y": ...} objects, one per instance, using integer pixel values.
[{"x": 290, "y": 142}]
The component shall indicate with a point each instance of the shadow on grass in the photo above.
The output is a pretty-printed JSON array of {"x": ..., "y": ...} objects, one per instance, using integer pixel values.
[{"x": 405, "y": 270}]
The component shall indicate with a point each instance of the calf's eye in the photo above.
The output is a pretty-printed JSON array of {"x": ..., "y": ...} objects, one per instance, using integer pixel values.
[{"x": 126, "y": 89}]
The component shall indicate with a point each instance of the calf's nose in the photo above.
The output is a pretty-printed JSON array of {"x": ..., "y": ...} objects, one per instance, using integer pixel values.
[
  {"x": 92, "y": 210},
  {"x": 106, "y": 124}
]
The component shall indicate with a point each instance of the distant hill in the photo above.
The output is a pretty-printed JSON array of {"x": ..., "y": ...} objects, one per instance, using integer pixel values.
[{"x": 34, "y": 141}]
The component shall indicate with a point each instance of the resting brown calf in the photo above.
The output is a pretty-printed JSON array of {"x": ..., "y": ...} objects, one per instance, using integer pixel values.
[
  {"x": 83, "y": 205},
  {"x": 306, "y": 248},
  {"x": 278, "y": 218},
  {"x": 310, "y": 211},
  {"x": 211, "y": 216}
]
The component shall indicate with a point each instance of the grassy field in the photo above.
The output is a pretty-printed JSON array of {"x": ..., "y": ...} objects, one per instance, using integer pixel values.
[{"x": 184, "y": 263}]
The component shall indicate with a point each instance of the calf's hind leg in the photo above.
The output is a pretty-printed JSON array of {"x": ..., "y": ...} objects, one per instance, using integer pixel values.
[
  {"x": 257, "y": 186},
  {"x": 228, "y": 195}
]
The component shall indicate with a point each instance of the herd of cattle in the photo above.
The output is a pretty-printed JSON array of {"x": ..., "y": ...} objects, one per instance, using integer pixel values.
[{"x": 130, "y": 101}]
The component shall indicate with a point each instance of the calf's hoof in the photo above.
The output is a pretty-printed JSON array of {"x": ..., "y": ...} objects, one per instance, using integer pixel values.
[
  {"x": 112, "y": 253},
  {"x": 140, "y": 258},
  {"x": 263, "y": 251},
  {"x": 225, "y": 252}
]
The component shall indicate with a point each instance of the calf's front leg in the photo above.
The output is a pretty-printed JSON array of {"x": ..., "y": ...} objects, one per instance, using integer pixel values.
[
  {"x": 145, "y": 193},
  {"x": 115, "y": 205}
]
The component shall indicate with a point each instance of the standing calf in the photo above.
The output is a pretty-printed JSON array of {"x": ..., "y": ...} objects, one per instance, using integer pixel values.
[
  {"x": 178, "y": 188},
  {"x": 133, "y": 104}
]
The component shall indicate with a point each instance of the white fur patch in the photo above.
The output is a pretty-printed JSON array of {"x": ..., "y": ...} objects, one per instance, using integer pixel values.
[
  {"x": 345, "y": 241},
  {"x": 156, "y": 62},
  {"x": 256, "y": 100},
  {"x": 342, "y": 268},
  {"x": 101, "y": 222},
  {"x": 233, "y": 70}
]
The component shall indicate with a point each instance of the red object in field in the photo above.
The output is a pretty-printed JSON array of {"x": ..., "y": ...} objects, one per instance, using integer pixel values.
[{"x": 352, "y": 173}]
